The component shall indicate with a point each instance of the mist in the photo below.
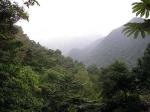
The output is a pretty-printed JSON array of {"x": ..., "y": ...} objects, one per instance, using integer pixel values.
[{"x": 69, "y": 24}]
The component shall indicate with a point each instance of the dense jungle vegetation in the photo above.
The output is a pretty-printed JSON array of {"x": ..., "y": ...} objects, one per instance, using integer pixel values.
[{"x": 36, "y": 79}]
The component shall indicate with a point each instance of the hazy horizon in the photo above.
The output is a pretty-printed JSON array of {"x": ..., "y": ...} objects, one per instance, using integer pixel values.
[{"x": 65, "y": 24}]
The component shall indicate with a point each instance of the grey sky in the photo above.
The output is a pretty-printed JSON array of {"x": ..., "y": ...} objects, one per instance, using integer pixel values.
[{"x": 57, "y": 22}]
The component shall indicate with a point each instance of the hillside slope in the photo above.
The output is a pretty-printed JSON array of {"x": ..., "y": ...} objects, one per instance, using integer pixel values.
[
  {"x": 114, "y": 46},
  {"x": 37, "y": 79}
]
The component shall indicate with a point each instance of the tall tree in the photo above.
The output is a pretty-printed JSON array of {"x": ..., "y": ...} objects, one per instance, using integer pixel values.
[
  {"x": 11, "y": 13},
  {"x": 118, "y": 90},
  {"x": 142, "y": 72}
]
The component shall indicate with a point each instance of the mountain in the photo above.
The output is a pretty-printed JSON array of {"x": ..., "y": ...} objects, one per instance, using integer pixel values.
[
  {"x": 115, "y": 46},
  {"x": 77, "y": 53}
]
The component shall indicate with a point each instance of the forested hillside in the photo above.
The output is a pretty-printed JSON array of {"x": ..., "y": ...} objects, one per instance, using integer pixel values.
[
  {"x": 115, "y": 46},
  {"x": 33, "y": 71},
  {"x": 36, "y": 79}
]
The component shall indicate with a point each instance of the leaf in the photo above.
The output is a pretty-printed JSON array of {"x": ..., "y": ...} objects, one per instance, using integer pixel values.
[
  {"x": 136, "y": 34},
  {"x": 143, "y": 34},
  {"x": 131, "y": 33},
  {"x": 142, "y": 13},
  {"x": 147, "y": 14},
  {"x": 127, "y": 31}
]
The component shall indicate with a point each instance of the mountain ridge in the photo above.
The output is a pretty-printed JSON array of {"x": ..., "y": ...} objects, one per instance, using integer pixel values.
[{"x": 115, "y": 46}]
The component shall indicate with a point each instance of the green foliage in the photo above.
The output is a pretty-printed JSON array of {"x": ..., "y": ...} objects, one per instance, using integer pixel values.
[
  {"x": 117, "y": 90},
  {"x": 137, "y": 28},
  {"x": 92, "y": 69},
  {"x": 51, "y": 81},
  {"x": 115, "y": 78},
  {"x": 18, "y": 89},
  {"x": 36, "y": 79},
  {"x": 11, "y": 13},
  {"x": 140, "y": 8},
  {"x": 59, "y": 91},
  {"x": 31, "y": 3},
  {"x": 142, "y": 72}
]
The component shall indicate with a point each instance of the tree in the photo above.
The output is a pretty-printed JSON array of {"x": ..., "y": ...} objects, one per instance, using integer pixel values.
[
  {"x": 142, "y": 72},
  {"x": 58, "y": 91},
  {"x": 17, "y": 84},
  {"x": 117, "y": 90},
  {"x": 11, "y": 13},
  {"x": 93, "y": 69}
]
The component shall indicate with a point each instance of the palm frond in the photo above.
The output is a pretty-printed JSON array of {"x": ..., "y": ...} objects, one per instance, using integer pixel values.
[
  {"x": 142, "y": 8},
  {"x": 137, "y": 28}
]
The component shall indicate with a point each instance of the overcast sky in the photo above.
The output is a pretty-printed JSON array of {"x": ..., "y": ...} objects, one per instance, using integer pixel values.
[{"x": 58, "y": 22}]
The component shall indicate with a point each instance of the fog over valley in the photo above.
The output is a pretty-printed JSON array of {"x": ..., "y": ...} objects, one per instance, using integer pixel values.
[
  {"x": 68, "y": 45},
  {"x": 71, "y": 24}
]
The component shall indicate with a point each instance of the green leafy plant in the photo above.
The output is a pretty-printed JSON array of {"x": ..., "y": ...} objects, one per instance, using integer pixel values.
[{"x": 141, "y": 9}]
